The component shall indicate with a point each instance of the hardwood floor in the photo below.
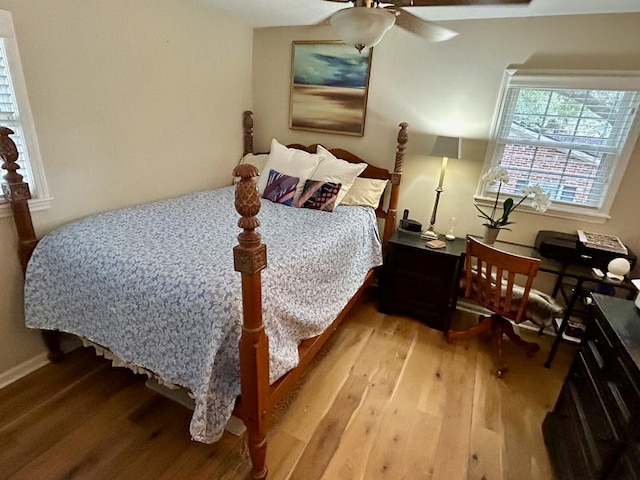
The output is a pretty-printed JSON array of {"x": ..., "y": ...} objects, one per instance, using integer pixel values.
[{"x": 389, "y": 398}]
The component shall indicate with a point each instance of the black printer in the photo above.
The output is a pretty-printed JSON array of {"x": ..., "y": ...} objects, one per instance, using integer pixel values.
[{"x": 566, "y": 247}]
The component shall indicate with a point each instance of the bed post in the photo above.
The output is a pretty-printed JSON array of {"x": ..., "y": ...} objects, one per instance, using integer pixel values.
[
  {"x": 16, "y": 192},
  {"x": 250, "y": 257},
  {"x": 247, "y": 126},
  {"x": 396, "y": 177}
]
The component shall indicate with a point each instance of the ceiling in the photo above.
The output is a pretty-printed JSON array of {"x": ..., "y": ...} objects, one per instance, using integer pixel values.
[{"x": 278, "y": 13}]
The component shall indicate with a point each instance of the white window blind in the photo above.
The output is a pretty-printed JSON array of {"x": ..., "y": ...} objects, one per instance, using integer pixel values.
[
  {"x": 10, "y": 117},
  {"x": 571, "y": 135},
  {"x": 15, "y": 113}
]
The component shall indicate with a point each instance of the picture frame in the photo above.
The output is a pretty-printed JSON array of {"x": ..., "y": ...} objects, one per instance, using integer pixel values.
[{"x": 329, "y": 87}]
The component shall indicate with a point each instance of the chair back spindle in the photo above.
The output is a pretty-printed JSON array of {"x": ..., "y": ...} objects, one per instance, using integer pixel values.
[{"x": 491, "y": 276}]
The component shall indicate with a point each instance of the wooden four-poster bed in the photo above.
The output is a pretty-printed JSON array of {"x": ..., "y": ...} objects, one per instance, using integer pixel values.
[{"x": 258, "y": 392}]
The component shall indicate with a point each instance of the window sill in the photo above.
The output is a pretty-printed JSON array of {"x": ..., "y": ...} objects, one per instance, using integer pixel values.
[
  {"x": 555, "y": 211},
  {"x": 35, "y": 205}
]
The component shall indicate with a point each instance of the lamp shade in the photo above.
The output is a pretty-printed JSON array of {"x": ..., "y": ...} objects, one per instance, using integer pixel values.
[
  {"x": 362, "y": 26},
  {"x": 446, "y": 147}
]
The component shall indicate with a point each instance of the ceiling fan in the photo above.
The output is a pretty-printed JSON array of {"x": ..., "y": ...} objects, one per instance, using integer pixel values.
[{"x": 365, "y": 23}]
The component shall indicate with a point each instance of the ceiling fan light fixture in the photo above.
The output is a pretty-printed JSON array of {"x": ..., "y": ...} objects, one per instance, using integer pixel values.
[{"x": 361, "y": 26}]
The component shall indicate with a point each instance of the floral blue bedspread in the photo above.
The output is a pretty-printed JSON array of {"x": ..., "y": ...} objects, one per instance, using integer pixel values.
[{"x": 155, "y": 285}]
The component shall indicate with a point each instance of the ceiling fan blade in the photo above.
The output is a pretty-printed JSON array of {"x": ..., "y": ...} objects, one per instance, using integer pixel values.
[
  {"x": 453, "y": 3},
  {"x": 428, "y": 30}
]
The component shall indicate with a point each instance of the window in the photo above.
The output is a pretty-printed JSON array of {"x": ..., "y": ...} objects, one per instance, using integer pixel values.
[
  {"x": 15, "y": 114},
  {"x": 570, "y": 134}
]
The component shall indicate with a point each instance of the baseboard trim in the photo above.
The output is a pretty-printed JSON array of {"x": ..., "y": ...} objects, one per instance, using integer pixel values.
[{"x": 24, "y": 369}]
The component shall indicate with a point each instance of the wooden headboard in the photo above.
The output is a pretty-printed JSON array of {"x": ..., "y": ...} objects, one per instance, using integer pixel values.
[{"x": 390, "y": 213}]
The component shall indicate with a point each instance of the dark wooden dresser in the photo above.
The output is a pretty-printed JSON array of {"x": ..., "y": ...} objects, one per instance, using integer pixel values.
[
  {"x": 593, "y": 431},
  {"x": 421, "y": 281}
]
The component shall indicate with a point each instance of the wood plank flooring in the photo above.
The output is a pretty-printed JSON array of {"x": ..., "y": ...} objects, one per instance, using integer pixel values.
[{"x": 388, "y": 399}]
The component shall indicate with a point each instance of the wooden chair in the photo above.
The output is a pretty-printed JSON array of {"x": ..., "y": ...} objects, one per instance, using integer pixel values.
[{"x": 500, "y": 282}]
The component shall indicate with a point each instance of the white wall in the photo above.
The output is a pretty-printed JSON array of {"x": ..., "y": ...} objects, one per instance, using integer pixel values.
[
  {"x": 132, "y": 101},
  {"x": 452, "y": 89},
  {"x": 135, "y": 101}
]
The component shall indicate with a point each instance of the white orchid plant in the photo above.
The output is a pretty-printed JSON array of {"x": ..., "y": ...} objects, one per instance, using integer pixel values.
[{"x": 498, "y": 174}]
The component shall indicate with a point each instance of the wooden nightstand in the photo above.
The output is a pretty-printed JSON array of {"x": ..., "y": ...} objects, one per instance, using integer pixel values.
[{"x": 421, "y": 281}]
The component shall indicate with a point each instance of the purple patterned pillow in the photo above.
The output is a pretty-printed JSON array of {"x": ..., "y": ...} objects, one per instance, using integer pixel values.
[
  {"x": 280, "y": 188},
  {"x": 319, "y": 195}
]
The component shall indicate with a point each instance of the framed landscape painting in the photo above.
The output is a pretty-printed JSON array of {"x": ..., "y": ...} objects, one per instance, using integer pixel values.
[{"x": 329, "y": 84}]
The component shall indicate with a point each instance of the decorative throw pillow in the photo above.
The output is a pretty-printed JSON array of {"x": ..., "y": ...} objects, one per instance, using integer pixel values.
[
  {"x": 319, "y": 195},
  {"x": 333, "y": 169},
  {"x": 365, "y": 192},
  {"x": 280, "y": 188},
  {"x": 289, "y": 161}
]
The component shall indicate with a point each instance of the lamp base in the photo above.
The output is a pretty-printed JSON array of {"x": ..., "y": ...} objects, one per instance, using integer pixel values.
[{"x": 429, "y": 234}]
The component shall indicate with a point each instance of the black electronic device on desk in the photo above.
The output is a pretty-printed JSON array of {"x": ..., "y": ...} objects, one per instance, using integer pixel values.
[
  {"x": 568, "y": 248},
  {"x": 582, "y": 269},
  {"x": 409, "y": 226}
]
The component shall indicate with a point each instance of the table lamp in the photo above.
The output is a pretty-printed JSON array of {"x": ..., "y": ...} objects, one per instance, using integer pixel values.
[{"x": 445, "y": 147}]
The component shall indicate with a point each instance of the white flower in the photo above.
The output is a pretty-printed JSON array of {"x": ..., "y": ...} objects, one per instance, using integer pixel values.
[
  {"x": 540, "y": 201},
  {"x": 497, "y": 219},
  {"x": 535, "y": 189},
  {"x": 496, "y": 174}
]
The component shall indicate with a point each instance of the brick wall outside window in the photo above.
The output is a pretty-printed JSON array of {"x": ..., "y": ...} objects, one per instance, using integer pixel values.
[{"x": 551, "y": 167}]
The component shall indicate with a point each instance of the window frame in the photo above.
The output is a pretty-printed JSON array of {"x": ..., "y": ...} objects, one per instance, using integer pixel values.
[
  {"x": 41, "y": 198},
  {"x": 575, "y": 79}
]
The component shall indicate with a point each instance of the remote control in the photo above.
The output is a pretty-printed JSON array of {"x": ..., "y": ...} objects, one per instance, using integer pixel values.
[{"x": 597, "y": 272}]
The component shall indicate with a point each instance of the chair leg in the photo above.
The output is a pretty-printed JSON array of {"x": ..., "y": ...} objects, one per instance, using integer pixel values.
[
  {"x": 497, "y": 331},
  {"x": 530, "y": 347},
  {"x": 483, "y": 325}
]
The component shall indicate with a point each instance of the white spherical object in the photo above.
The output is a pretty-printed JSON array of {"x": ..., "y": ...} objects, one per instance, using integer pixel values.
[{"x": 619, "y": 266}]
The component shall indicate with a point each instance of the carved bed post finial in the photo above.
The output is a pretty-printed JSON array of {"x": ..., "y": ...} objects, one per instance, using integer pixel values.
[
  {"x": 16, "y": 192},
  {"x": 250, "y": 258},
  {"x": 396, "y": 177},
  {"x": 247, "y": 125}
]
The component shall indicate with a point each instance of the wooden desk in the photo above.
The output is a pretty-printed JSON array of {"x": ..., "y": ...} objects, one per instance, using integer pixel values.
[
  {"x": 580, "y": 277},
  {"x": 423, "y": 282}
]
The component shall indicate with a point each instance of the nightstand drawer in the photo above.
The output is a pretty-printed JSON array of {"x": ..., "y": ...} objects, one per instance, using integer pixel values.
[
  {"x": 628, "y": 465},
  {"x": 425, "y": 298},
  {"x": 421, "y": 282},
  {"x": 594, "y": 428},
  {"x": 422, "y": 262},
  {"x": 614, "y": 376},
  {"x": 622, "y": 393},
  {"x": 600, "y": 432}
]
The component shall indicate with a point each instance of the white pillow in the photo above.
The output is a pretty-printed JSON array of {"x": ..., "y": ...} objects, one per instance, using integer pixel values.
[
  {"x": 289, "y": 161},
  {"x": 333, "y": 169},
  {"x": 257, "y": 160},
  {"x": 365, "y": 192}
]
